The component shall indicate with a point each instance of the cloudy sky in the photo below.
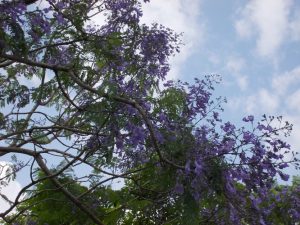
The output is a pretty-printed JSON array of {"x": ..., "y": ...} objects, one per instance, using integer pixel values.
[{"x": 253, "y": 44}]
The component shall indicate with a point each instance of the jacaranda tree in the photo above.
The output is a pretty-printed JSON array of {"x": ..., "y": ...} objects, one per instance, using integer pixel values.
[{"x": 84, "y": 105}]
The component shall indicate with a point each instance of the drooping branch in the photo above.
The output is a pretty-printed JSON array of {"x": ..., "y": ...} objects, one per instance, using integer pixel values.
[
  {"x": 79, "y": 204},
  {"x": 33, "y": 63},
  {"x": 52, "y": 177}
]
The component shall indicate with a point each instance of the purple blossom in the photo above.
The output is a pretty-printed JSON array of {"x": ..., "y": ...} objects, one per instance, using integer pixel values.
[
  {"x": 179, "y": 189},
  {"x": 159, "y": 137},
  {"x": 229, "y": 187},
  {"x": 233, "y": 215},
  {"x": 248, "y": 118},
  {"x": 295, "y": 213},
  {"x": 228, "y": 128},
  {"x": 196, "y": 195},
  {"x": 198, "y": 167},
  {"x": 138, "y": 135},
  {"x": 283, "y": 176},
  {"x": 119, "y": 143},
  {"x": 216, "y": 116},
  {"x": 162, "y": 117},
  {"x": 255, "y": 202},
  {"x": 261, "y": 221},
  {"x": 261, "y": 127},
  {"x": 248, "y": 137},
  {"x": 228, "y": 146},
  {"x": 60, "y": 19},
  {"x": 283, "y": 165},
  {"x": 188, "y": 167}
]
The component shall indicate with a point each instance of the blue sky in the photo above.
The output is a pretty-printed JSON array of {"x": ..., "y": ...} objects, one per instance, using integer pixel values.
[{"x": 254, "y": 45}]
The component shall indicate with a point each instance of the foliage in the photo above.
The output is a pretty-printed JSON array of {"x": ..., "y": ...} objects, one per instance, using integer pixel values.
[
  {"x": 49, "y": 206},
  {"x": 284, "y": 202},
  {"x": 95, "y": 99}
]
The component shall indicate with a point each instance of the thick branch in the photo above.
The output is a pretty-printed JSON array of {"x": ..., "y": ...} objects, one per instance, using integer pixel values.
[
  {"x": 79, "y": 204},
  {"x": 45, "y": 169},
  {"x": 33, "y": 63}
]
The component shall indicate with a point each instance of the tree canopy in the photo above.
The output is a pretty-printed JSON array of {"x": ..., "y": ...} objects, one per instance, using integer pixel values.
[{"x": 84, "y": 105}]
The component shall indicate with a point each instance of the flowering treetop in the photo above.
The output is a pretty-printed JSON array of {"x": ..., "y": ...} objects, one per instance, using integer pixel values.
[{"x": 100, "y": 98}]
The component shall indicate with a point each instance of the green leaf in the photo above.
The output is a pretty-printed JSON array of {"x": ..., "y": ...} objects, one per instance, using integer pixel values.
[
  {"x": 190, "y": 210},
  {"x": 17, "y": 39},
  {"x": 40, "y": 137}
]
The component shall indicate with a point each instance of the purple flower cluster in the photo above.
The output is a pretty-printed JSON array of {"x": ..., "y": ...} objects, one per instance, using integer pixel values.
[
  {"x": 123, "y": 11},
  {"x": 12, "y": 10}
]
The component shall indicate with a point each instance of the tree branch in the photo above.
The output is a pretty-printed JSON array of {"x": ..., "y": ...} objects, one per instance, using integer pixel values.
[{"x": 79, "y": 204}]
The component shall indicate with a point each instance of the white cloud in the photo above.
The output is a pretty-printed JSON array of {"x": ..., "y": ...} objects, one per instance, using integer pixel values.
[
  {"x": 295, "y": 26},
  {"x": 10, "y": 191},
  {"x": 235, "y": 65},
  {"x": 214, "y": 58},
  {"x": 244, "y": 28},
  {"x": 268, "y": 101},
  {"x": 283, "y": 91},
  {"x": 283, "y": 82},
  {"x": 242, "y": 82},
  {"x": 250, "y": 104},
  {"x": 293, "y": 101},
  {"x": 262, "y": 102},
  {"x": 181, "y": 16},
  {"x": 234, "y": 103},
  {"x": 269, "y": 19}
]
